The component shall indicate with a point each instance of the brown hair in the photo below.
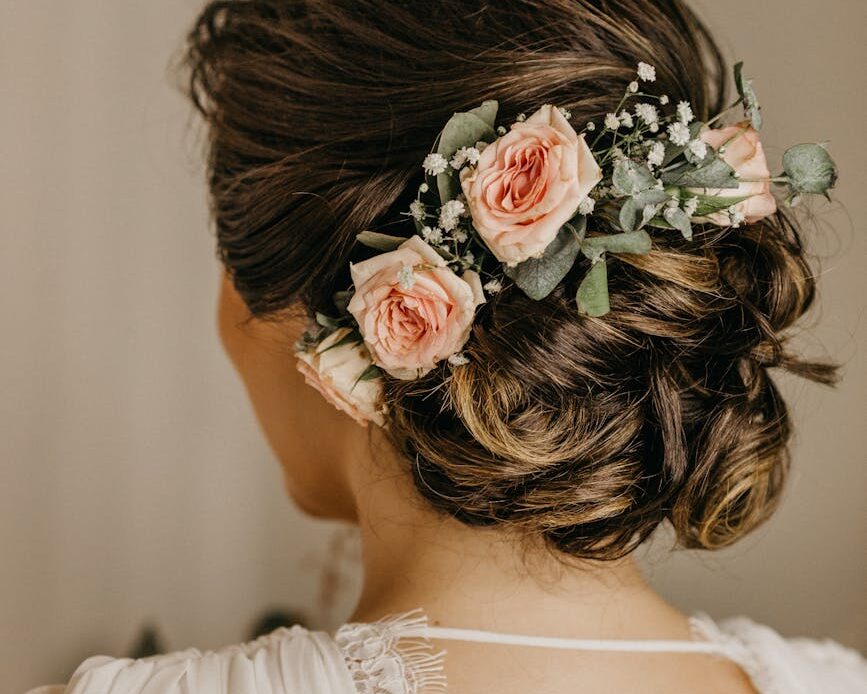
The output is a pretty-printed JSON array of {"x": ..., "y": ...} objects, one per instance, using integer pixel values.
[{"x": 589, "y": 432}]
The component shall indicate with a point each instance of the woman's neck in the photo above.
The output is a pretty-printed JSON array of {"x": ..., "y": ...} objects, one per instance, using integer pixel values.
[{"x": 487, "y": 578}]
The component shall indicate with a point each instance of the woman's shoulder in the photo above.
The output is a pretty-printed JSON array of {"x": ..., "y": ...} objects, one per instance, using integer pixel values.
[
  {"x": 291, "y": 660},
  {"x": 390, "y": 656},
  {"x": 383, "y": 656},
  {"x": 777, "y": 663}
]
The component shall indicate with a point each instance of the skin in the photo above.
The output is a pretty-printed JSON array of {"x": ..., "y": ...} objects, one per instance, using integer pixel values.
[{"x": 461, "y": 576}]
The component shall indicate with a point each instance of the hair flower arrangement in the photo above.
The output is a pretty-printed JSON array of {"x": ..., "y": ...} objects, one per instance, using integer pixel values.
[{"x": 518, "y": 205}]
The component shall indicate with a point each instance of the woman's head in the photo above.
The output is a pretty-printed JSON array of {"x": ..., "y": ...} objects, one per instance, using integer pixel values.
[{"x": 588, "y": 432}]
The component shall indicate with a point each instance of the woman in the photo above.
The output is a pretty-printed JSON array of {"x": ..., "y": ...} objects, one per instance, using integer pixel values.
[{"x": 522, "y": 388}]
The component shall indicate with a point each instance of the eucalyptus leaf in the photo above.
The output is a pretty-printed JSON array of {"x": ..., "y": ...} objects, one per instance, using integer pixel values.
[
  {"x": 463, "y": 130},
  {"x": 636, "y": 242},
  {"x": 592, "y": 296},
  {"x": 810, "y": 168},
  {"x": 448, "y": 186},
  {"x": 748, "y": 94},
  {"x": 486, "y": 112},
  {"x": 630, "y": 178},
  {"x": 378, "y": 241},
  {"x": 633, "y": 209},
  {"x": 715, "y": 174},
  {"x": 709, "y": 204},
  {"x": 679, "y": 220},
  {"x": 538, "y": 277}
]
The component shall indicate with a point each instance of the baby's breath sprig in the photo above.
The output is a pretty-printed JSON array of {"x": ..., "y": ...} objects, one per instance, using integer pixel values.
[{"x": 659, "y": 172}]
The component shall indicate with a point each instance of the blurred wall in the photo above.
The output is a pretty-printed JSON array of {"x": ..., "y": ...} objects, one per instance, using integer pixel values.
[{"x": 134, "y": 485}]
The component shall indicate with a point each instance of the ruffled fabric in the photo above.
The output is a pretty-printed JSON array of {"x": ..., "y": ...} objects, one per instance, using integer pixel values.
[
  {"x": 778, "y": 665},
  {"x": 286, "y": 661}
]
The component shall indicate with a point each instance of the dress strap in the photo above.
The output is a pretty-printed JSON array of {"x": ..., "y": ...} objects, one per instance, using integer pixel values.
[{"x": 642, "y": 645}]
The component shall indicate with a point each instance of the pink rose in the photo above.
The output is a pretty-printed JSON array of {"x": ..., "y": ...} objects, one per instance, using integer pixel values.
[
  {"x": 528, "y": 184},
  {"x": 334, "y": 372},
  {"x": 744, "y": 153},
  {"x": 412, "y": 309}
]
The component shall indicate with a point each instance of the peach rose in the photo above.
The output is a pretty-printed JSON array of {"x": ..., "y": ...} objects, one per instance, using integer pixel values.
[
  {"x": 744, "y": 153},
  {"x": 528, "y": 184},
  {"x": 411, "y": 320},
  {"x": 334, "y": 372}
]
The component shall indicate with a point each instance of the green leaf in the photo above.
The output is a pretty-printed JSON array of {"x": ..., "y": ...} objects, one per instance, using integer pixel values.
[
  {"x": 371, "y": 372},
  {"x": 630, "y": 178},
  {"x": 632, "y": 212},
  {"x": 463, "y": 129},
  {"x": 709, "y": 204},
  {"x": 748, "y": 94},
  {"x": 538, "y": 277},
  {"x": 679, "y": 220},
  {"x": 659, "y": 223},
  {"x": 351, "y": 338},
  {"x": 714, "y": 174},
  {"x": 810, "y": 169},
  {"x": 381, "y": 242},
  {"x": 592, "y": 296},
  {"x": 636, "y": 242},
  {"x": 486, "y": 112},
  {"x": 327, "y": 321}
]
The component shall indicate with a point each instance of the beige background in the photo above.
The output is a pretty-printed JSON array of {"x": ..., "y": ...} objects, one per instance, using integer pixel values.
[{"x": 133, "y": 482}]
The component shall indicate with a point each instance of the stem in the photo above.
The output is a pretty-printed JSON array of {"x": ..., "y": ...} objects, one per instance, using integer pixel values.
[
  {"x": 723, "y": 112},
  {"x": 775, "y": 179},
  {"x": 616, "y": 111}
]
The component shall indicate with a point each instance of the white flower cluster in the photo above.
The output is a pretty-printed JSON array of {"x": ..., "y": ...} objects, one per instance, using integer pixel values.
[
  {"x": 458, "y": 359},
  {"x": 406, "y": 277},
  {"x": 656, "y": 155},
  {"x": 698, "y": 148},
  {"x": 649, "y": 114},
  {"x": 433, "y": 235},
  {"x": 417, "y": 210},
  {"x": 587, "y": 206},
  {"x": 493, "y": 286},
  {"x": 434, "y": 164},
  {"x": 450, "y": 214},
  {"x": 646, "y": 73},
  {"x": 690, "y": 205},
  {"x": 465, "y": 155},
  {"x": 678, "y": 133},
  {"x": 736, "y": 216},
  {"x": 684, "y": 112}
]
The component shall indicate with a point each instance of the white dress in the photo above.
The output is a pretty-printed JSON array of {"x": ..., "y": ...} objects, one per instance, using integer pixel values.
[{"x": 394, "y": 656}]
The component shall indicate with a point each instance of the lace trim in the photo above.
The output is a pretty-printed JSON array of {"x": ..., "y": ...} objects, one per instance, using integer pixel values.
[{"x": 384, "y": 661}]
